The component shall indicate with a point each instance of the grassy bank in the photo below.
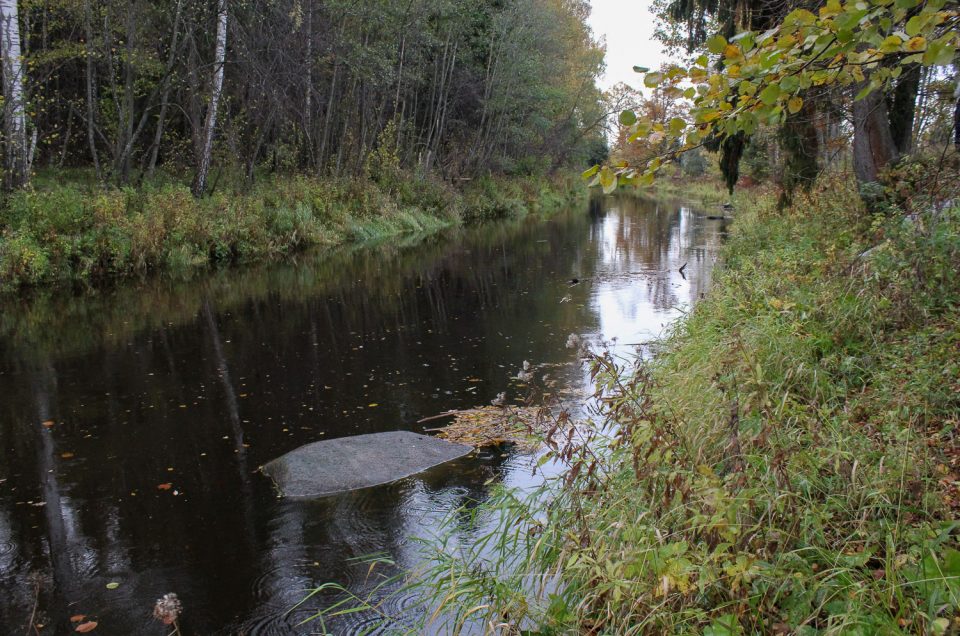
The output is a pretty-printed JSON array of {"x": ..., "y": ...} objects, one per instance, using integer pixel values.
[
  {"x": 707, "y": 191},
  {"x": 74, "y": 231},
  {"x": 787, "y": 464}
]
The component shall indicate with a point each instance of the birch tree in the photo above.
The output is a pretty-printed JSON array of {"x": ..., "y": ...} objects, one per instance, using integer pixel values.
[
  {"x": 210, "y": 123},
  {"x": 14, "y": 109}
]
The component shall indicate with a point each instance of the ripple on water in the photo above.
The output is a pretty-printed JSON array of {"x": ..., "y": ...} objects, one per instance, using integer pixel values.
[
  {"x": 367, "y": 624},
  {"x": 282, "y": 579},
  {"x": 272, "y": 624}
]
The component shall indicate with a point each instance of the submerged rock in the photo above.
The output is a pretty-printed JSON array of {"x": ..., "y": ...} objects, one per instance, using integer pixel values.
[{"x": 349, "y": 463}]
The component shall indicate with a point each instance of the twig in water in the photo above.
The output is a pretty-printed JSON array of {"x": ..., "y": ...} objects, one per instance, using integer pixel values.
[
  {"x": 436, "y": 417},
  {"x": 32, "y": 623}
]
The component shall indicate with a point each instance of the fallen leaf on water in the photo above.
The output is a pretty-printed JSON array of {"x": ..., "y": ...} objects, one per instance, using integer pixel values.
[
  {"x": 112, "y": 585},
  {"x": 67, "y": 455},
  {"x": 373, "y": 405},
  {"x": 48, "y": 423},
  {"x": 89, "y": 626},
  {"x": 77, "y": 618},
  {"x": 166, "y": 486}
]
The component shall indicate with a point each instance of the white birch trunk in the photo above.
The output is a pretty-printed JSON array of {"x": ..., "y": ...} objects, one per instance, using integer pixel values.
[
  {"x": 210, "y": 123},
  {"x": 14, "y": 116}
]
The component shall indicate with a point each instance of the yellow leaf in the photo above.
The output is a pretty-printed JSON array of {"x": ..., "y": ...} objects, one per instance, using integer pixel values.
[
  {"x": 915, "y": 44},
  {"x": 731, "y": 51},
  {"x": 794, "y": 104},
  {"x": 832, "y": 8},
  {"x": 891, "y": 44}
]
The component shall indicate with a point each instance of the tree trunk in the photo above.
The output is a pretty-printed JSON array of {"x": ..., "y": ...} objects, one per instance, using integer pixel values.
[
  {"x": 210, "y": 124},
  {"x": 122, "y": 164},
  {"x": 91, "y": 99},
  {"x": 14, "y": 111},
  {"x": 903, "y": 108},
  {"x": 165, "y": 94},
  {"x": 873, "y": 145},
  {"x": 956, "y": 113},
  {"x": 308, "y": 93}
]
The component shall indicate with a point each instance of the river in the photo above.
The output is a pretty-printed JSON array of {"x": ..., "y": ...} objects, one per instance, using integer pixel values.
[{"x": 133, "y": 419}]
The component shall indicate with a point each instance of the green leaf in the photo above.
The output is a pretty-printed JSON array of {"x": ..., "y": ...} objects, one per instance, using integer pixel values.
[
  {"x": 915, "y": 25},
  {"x": 589, "y": 172},
  {"x": 866, "y": 90},
  {"x": 726, "y": 625},
  {"x": 628, "y": 118},
  {"x": 652, "y": 80},
  {"x": 770, "y": 94},
  {"x": 677, "y": 125},
  {"x": 112, "y": 585},
  {"x": 641, "y": 69},
  {"x": 716, "y": 44},
  {"x": 801, "y": 17},
  {"x": 939, "y": 53},
  {"x": 608, "y": 180},
  {"x": 789, "y": 83}
]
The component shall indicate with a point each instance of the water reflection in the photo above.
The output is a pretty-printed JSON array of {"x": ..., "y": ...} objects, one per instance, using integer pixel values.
[{"x": 133, "y": 419}]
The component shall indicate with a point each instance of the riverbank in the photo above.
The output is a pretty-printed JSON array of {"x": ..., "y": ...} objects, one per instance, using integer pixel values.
[
  {"x": 75, "y": 231},
  {"x": 788, "y": 462}
]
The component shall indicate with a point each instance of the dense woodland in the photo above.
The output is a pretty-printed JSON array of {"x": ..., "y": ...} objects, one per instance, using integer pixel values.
[{"x": 126, "y": 89}]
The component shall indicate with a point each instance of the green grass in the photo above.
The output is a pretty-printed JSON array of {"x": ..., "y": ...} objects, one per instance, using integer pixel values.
[
  {"x": 67, "y": 228},
  {"x": 708, "y": 191},
  {"x": 786, "y": 464}
]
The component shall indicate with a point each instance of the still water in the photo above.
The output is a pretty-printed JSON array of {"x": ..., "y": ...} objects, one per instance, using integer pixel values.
[{"x": 133, "y": 420}]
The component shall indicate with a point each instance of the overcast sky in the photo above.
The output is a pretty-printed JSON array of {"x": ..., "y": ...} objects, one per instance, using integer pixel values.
[{"x": 627, "y": 26}]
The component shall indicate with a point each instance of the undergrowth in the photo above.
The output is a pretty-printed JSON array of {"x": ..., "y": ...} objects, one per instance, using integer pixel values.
[{"x": 66, "y": 229}]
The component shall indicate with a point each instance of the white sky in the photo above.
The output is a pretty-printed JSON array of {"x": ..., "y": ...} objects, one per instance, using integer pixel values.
[{"x": 628, "y": 27}]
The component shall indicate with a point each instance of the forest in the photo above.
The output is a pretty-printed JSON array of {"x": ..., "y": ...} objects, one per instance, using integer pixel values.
[{"x": 119, "y": 99}]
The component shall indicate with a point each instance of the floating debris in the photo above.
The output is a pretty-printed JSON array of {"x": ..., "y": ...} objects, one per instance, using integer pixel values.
[{"x": 492, "y": 426}]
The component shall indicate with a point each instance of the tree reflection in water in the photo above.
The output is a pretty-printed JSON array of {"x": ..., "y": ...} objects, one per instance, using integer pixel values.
[{"x": 195, "y": 383}]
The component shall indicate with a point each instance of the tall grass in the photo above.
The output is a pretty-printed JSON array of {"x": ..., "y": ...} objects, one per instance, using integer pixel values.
[
  {"x": 786, "y": 464},
  {"x": 76, "y": 230}
]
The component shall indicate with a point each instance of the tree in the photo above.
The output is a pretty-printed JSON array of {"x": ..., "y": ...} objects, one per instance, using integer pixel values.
[
  {"x": 216, "y": 89},
  {"x": 466, "y": 87},
  {"x": 14, "y": 107},
  {"x": 864, "y": 45}
]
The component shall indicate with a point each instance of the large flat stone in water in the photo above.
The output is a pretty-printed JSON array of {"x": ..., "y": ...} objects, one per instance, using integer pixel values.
[{"x": 348, "y": 463}]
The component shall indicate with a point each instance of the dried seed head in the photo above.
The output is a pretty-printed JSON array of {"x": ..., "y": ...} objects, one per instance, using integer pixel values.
[{"x": 167, "y": 609}]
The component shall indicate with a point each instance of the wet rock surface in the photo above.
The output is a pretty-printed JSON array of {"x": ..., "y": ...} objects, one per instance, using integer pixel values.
[{"x": 339, "y": 465}]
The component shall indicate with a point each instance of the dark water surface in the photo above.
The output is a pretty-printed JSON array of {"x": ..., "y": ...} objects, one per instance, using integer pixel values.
[{"x": 132, "y": 421}]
